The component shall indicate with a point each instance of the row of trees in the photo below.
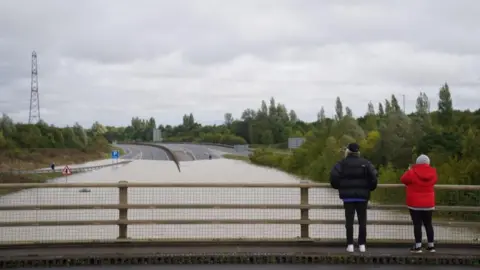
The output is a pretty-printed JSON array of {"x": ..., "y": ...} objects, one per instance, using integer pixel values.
[
  {"x": 392, "y": 140},
  {"x": 17, "y": 136},
  {"x": 269, "y": 125},
  {"x": 388, "y": 137}
]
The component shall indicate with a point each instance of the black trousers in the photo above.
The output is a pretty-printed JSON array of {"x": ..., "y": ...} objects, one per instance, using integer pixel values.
[
  {"x": 361, "y": 209},
  {"x": 419, "y": 218}
]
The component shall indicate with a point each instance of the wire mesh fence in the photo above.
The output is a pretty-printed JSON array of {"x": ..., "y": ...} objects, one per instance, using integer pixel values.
[{"x": 108, "y": 212}]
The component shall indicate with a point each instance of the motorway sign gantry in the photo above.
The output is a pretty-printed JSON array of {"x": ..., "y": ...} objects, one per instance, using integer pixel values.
[{"x": 66, "y": 170}]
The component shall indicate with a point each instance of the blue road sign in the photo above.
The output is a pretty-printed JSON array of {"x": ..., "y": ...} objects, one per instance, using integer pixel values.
[{"x": 115, "y": 154}]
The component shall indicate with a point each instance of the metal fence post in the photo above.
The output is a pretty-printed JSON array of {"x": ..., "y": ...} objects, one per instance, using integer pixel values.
[
  {"x": 122, "y": 212},
  {"x": 304, "y": 228}
]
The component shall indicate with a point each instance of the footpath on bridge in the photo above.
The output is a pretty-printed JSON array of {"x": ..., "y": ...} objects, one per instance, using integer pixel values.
[{"x": 100, "y": 254}]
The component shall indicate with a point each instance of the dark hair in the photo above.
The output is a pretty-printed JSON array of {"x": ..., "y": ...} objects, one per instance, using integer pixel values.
[{"x": 353, "y": 147}]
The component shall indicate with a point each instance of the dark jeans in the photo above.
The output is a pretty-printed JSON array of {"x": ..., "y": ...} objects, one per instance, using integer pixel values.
[
  {"x": 361, "y": 209},
  {"x": 419, "y": 218}
]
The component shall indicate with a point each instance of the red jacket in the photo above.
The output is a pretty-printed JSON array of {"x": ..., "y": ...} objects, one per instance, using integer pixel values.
[{"x": 420, "y": 181}]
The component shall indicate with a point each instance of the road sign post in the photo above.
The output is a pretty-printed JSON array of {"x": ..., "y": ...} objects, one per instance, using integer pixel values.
[
  {"x": 66, "y": 171},
  {"x": 115, "y": 155}
]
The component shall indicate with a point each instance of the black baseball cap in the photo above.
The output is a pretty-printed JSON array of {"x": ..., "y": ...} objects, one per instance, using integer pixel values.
[{"x": 353, "y": 147}]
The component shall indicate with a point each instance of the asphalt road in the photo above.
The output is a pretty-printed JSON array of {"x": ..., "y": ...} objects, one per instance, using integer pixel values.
[
  {"x": 201, "y": 152},
  {"x": 262, "y": 267},
  {"x": 196, "y": 152},
  {"x": 143, "y": 152},
  {"x": 184, "y": 152}
]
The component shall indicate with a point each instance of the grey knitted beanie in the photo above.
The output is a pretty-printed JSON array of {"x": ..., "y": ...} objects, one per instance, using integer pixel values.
[{"x": 423, "y": 159}]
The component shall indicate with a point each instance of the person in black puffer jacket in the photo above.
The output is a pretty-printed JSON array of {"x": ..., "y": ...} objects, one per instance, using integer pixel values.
[{"x": 354, "y": 178}]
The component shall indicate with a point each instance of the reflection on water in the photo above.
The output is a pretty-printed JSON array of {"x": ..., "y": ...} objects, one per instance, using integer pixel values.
[{"x": 213, "y": 171}]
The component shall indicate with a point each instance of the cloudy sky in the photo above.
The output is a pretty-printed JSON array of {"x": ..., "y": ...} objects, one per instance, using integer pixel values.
[{"x": 111, "y": 60}]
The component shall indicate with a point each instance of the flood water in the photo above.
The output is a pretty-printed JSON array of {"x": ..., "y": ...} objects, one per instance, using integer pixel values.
[{"x": 200, "y": 171}]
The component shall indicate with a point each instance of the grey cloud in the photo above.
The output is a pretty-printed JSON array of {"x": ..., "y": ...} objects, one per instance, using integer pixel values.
[{"x": 110, "y": 60}]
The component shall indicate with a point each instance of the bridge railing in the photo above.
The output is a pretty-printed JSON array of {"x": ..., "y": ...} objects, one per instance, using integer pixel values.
[{"x": 106, "y": 212}]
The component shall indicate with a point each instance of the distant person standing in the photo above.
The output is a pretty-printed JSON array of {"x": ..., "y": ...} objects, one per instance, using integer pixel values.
[
  {"x": 52, "y": 166},
  {"x": 354, "y": 178},
  {"x": 420, "y": 181}
]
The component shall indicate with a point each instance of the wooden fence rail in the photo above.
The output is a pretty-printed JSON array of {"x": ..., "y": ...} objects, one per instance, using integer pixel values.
[{"x": 303, "y": 206}]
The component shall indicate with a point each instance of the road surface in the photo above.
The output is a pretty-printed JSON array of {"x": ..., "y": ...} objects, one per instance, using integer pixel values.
[
  {"x": 143, "y": 152},
  {"x": 192, "y": 152},
  {"x": 202, "y": 151}
]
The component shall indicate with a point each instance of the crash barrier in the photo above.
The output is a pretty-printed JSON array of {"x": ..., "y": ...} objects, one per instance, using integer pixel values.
[
  {"x": 73, "y": 170},
  {"x": 202, "y": 143},
  {"x": 241, "y": 147},
  {"x": 206, "y": 144},
  {"x": 106, "y": 212}
]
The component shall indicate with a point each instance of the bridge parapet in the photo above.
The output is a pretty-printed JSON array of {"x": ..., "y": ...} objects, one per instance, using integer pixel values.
[{"x": 186, "y": 212}]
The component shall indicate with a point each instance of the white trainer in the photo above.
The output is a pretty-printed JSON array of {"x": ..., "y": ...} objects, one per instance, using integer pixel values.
[
  {"x": 362, "y": 248},
  {"x": 350, "y": 248}
]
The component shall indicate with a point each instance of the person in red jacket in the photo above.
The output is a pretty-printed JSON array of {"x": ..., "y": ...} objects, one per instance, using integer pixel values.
[{"x": 419, "y": 181}]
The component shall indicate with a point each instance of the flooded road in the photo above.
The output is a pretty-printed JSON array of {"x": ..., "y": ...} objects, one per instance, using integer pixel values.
[{"x": 198, "y": 171}]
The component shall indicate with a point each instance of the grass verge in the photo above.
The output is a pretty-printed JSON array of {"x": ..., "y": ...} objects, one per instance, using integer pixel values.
[{"x": 31, "y": 159}]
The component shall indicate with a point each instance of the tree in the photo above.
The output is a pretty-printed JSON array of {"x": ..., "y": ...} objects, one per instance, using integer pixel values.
[
  {"x": 348, "y": 112},
  {"x": 422, "y": 105},
  {"x": 338, "y": 109},
  {"x": 228, "y": 119},
  {"x": 293, "y": 116},
  {"x": 321, "y": 115},
  {"x": 272, "y": 109},
  {"x": 189, "y": 121},
  {"x": 445, "y": 107},
  {"x": 395, "y": 107},
  {"x": 3, "y": 141},
  {"x": 81, "y": 135},
  {"x": 381, "y": 112},
  {"x": 249, "y": 114},
  {"x": 98, "y": 129},
  {"x": 388, "y": 107},
  {"x": 371, "y": 118},
  {"x": 371, "y": 109}
]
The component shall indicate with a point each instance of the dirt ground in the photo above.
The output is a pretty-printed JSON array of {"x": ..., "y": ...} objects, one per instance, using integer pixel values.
[{"x": 29, "y": 159}]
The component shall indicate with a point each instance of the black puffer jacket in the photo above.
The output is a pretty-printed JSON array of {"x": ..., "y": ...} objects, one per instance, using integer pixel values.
[{"x": 354, "y": 177}]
